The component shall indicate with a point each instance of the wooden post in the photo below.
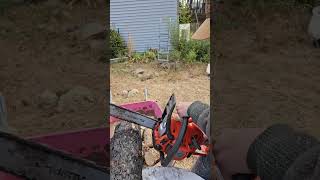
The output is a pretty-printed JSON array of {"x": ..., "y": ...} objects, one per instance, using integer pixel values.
[{"x": 207, "y": 8}]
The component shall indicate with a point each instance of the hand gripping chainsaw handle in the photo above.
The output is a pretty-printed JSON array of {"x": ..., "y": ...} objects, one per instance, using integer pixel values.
[{"x": 177, "y": 139}]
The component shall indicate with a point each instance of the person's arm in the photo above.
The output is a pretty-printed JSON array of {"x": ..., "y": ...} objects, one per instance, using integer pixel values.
[
  {"x": 284, "y": 154},
  {"x": 275, "y": 153},
  {"x": 200, "y": 114}
]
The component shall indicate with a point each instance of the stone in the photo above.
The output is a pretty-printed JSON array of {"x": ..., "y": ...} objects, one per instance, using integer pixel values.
[
  {"x": 156, "y": 74},
  {"x": 138, "y": 71},
  {"x": 124, "y": 93},
  {"x": 151, "y": 156},
  {"x": 147, "y": 137},
  {"x": 77, "y": 99},
  {"x": 133, "y": 92},
  {"x": 47, "y": 100},
  {"x": 146, "y": 76}
]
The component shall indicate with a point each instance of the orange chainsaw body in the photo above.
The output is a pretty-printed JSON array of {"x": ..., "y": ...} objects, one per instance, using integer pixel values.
[{"x": 186, "y": 148}]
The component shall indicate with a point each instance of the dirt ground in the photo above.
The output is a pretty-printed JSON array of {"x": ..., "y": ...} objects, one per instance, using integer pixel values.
[
  {"x": 188, "y": 83},
  {"x": 39, "y": 51},
  {"x": 267, "y": 72}
]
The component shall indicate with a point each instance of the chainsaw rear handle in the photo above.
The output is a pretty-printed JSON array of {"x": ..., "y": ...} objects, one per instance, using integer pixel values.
[{"x": 171, "y": 153}]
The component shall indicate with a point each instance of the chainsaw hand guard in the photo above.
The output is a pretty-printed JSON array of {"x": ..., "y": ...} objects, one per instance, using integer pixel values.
[{"x": 174, "y": 149}]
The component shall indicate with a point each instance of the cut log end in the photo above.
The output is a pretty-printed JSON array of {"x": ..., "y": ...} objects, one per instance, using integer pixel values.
[{"x": 126, "y": 152}]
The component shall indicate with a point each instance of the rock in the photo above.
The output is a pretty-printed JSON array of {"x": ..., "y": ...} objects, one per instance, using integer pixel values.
[
  {"x": 170, "y": 65},
  {"x": 91, "y": 29},
  {"x": 133, "y": 92},
  {"x": 151, "y": 157},
  {"x": 147, "y": 137},
  {"x": 77, "y": 99},
  {"x": 124, "y": 93},
  {"x": 97, "y": 45},
  {"x": 138, "y": 71},
  {"x": 48, "y": 100},
  {"x": 156, "y": 74},
  {"x": 146, "y": 76}
]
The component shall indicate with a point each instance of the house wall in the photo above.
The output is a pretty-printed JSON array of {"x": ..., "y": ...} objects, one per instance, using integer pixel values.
[{"x": 141, "y": 18}]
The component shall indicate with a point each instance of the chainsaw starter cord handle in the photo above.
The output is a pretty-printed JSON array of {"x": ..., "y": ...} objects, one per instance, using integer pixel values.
[{"x": 165, "y": 161}]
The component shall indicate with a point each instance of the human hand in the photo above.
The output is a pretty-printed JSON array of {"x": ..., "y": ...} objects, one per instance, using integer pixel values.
[
  {"x": 182, "y": 108},
  {"x": 231, "y": 149}
]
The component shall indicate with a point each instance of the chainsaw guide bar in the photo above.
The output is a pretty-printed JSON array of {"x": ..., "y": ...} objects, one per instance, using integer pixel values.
[{"x": 34, "y": 161}]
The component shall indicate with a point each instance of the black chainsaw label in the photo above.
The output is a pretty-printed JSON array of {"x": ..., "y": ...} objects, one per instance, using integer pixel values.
[{"x": 66, "y": 174}]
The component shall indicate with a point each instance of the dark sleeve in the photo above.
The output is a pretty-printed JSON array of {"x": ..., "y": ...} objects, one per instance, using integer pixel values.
[
  {"x": 200, "y": 114},
  {"x": 276, "y": 150}
]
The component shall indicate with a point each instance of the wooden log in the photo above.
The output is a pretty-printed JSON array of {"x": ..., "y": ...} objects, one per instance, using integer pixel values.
[{"x": 126, "y": 152}]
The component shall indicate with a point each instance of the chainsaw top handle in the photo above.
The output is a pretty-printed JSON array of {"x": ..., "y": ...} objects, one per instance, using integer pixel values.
[
  {"x": 174, "y": 149},
  {"x": 166, "y": 116}
]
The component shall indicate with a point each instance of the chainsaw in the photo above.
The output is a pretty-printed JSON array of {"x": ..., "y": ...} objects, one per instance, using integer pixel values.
[
  {"x": 30, "y": 160},
  {"x": 175, "y": 139}
]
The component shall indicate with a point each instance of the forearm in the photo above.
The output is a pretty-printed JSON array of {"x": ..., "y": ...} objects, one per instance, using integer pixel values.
[
  {"x": 276, "y": 150},
  {"x": 200, "y": 114}
]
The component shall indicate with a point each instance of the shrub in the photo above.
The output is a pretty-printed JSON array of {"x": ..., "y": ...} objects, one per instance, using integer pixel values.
[
  {"x": 117, "y": 44},
  {"x": 200, "y": 48},
  {"x": 181, "y": 47},
  {"x": 184, "y": 14},
  {"x": 137, "y": 57},
  {"x": 191, "y": 56},
  {"x": 175, "y": 55},
  {"x": 149, "y": 56},
  {"x": 174, "y": 35}
]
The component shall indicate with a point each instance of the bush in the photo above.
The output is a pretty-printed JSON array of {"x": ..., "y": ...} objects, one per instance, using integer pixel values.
[
  {"x": 190, "y": 51},
  {"x": 137, "y": 57},
  {"x": 191, "y": 56},
  {"x": 200, "y": 48},
  {"x": 174, "y": 35},
  {"x": 149, "y": 56},
  {"x": 184, "y": 14},
  {"x": 117, "y": 44},
  {"x": 175, "y": 55}
]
